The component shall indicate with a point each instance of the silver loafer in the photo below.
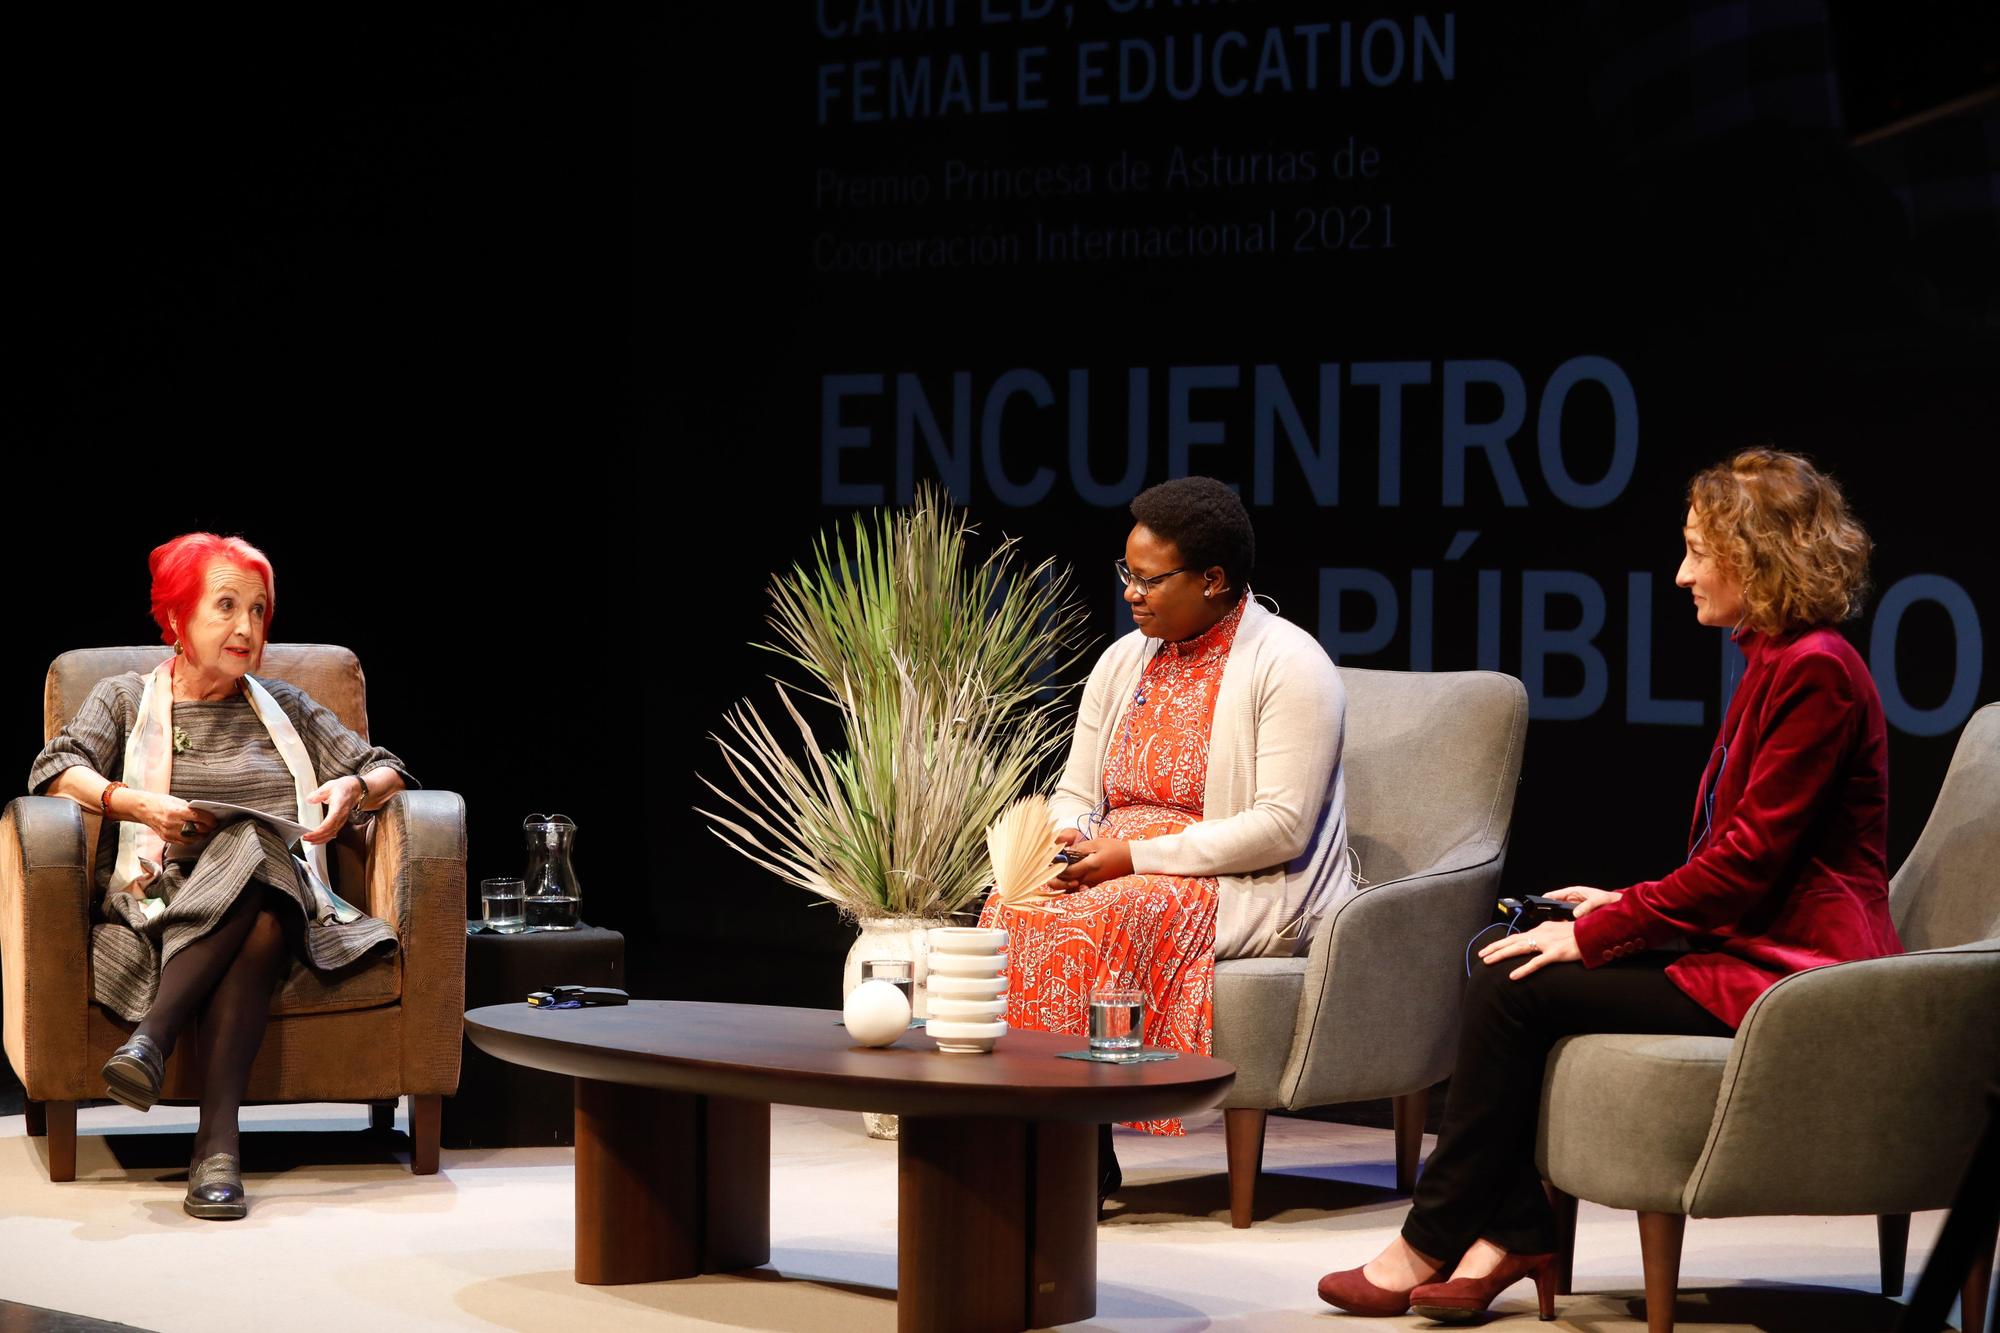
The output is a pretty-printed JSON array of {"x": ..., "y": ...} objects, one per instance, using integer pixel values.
[
  {"x": 134, "y": 1073},
  {"x": 215, "y": 1189}
]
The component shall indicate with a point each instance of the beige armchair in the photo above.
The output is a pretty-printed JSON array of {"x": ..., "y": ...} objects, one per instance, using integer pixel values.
[
  {"x": 1858, "y": 1088},
  {"x": 1431, "y": 762},
  {"x": 390, "y": 1028}
]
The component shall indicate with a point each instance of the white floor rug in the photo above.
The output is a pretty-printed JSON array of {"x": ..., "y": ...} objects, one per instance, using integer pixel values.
[{"x": 345, "y": 1239}]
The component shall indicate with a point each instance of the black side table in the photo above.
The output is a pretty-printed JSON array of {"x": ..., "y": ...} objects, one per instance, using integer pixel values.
[{"x": 502, "y": 1105}]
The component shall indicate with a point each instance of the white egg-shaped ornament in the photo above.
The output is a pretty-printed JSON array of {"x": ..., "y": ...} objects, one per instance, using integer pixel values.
[{"x": 876, "y": 1013}]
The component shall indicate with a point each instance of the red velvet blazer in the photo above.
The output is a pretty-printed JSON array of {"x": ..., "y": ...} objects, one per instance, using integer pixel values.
[{"x": 1788, "y": 855}]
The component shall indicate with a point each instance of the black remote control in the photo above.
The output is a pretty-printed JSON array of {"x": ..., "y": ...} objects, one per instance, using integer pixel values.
[
  {"x": 1534, "y": 909},
  {"x": 576, "y": 997}
]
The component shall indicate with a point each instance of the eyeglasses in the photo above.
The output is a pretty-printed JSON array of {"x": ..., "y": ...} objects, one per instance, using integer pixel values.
[{"x": 1127, "y": 579}]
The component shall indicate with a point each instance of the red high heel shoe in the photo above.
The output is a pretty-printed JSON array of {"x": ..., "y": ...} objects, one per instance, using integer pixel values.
[
  {"x": 1349, "y": 1290},
  {"x": 1464, "y": 1299}
]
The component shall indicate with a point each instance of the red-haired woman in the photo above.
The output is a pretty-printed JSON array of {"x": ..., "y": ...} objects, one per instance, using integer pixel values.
[
  {"x": 1787, "y": 869},
  {"x": 199, "y": 915}
]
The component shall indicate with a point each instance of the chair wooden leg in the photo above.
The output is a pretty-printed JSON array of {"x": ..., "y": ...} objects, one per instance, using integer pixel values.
[
  {"x": 1408, "y": 1113},
  {"x": 38, "y": 1120},
  {"x": 1564, "y": 1207},
  {"x": 1892, "y": 1235},
  {"x": 1660, "y": 1237},
  {"x": 59, "y": 1124},
  {"x": 426, "y": 1123},
  {"x": 1978, "y": 1288},
  {"x": 1243, "y": 1131}
]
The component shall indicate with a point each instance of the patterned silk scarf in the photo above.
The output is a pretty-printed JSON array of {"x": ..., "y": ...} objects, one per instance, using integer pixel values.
[{"x": 149, "y": 764}]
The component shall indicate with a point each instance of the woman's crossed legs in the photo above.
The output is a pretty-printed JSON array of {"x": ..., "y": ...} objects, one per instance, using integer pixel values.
[
  {"x": 226, "y": 976},
  {"x": 1479, "y": 1197}
]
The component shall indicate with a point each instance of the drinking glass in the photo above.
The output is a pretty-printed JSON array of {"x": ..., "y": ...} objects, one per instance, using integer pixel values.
[
  {"x": 895, "y": 971},
  {"x": 501, "y": 904},
  {"x": 1117, "y": 1020}
]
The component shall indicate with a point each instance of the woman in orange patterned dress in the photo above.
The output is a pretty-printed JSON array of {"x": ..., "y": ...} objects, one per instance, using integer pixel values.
[{"x": 1203, "y": 792}]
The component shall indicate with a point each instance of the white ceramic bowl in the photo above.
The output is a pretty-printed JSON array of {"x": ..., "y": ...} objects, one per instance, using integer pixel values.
[
  {"x": 968, "y": 964},
  {"x": 965, "y": 1038},
  {"x": 967, "y": 939},
  {"x": 967, "y": 1011},
  {"x": 966, "y": 988}
]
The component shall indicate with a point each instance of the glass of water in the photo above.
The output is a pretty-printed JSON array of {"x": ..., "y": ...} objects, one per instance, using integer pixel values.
[
  {"x": 1117, "y": 1020},
  {"x": 501, "y": 904},
  {"x": 895, "y": 971}
]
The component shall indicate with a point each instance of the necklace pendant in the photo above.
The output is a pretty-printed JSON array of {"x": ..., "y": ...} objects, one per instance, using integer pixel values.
[{"x": 181, "y": 743}]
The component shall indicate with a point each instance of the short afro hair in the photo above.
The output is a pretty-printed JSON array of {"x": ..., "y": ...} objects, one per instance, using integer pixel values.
[{"x": 1206, "y": 520}]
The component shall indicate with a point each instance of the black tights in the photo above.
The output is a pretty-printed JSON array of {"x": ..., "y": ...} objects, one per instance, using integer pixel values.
[
  {"x": 226, "y": 976},
  {"x": 1480, "y": 1181}
]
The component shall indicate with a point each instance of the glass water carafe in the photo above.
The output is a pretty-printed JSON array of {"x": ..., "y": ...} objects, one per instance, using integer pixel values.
[{"x": 552, "y": 895}]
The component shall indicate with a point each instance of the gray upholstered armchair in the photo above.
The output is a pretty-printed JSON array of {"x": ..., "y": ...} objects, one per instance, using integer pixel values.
[
  {"x": 1857, "y": 1088},
  {"x": 389, "y": 1027},
  {"x": 1371, "y": 1010}
]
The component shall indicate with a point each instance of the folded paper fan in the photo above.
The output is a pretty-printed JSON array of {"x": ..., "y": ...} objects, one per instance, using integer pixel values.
[{"x": 1022, "y": 847}]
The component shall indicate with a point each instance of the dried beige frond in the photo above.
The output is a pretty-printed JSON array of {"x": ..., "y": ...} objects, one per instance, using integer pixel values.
[{"x": 1021, "y": 851}]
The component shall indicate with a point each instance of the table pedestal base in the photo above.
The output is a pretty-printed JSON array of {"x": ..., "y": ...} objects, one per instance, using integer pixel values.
[
  {"x": 996, "y": 1226},
  {"x": 669, "y": 1184}
]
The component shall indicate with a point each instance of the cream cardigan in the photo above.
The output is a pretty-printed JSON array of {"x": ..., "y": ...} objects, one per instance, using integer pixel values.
[{"x": 1274, "y": 816}]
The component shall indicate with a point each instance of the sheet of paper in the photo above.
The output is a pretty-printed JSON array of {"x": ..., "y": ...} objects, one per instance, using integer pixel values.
[{"x": 226, "y": 813}]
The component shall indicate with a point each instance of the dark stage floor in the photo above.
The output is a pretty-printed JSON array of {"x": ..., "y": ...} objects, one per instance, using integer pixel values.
[{"x": 33, "y": 1319}]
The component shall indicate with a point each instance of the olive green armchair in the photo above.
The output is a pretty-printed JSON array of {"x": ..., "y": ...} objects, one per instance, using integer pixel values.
[
  {"x": 1431, "y": 761},
  {"x": 1856, "y": 1088}
]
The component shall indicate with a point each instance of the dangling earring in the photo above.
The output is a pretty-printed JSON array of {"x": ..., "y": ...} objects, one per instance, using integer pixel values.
[{"x": 178, "y": 650}]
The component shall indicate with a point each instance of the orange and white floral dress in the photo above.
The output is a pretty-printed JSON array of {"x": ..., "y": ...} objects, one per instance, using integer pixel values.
[{"x": 1152, "y": 932}]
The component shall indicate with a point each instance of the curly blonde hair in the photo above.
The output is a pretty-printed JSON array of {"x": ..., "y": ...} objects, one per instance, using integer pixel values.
[{"x": 1782, "y": 528}]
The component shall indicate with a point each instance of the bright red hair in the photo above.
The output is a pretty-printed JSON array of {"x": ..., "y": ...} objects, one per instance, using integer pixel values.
[{"x": 178, "y": 565}]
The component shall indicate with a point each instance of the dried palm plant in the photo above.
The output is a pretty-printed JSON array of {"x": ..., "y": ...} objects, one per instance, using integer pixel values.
[{"x": 943, "y": 671}]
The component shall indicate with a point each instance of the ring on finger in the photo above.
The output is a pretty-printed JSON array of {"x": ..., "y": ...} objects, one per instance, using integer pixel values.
[{"x": 189, "y": 828}]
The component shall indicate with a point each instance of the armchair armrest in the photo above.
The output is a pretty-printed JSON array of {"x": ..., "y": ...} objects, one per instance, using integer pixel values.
[
  {"x": 44, "y": 937},
  {"x": 416, "y": 881},
  {"x": 1877, "y": 1066},
  {"x": 1390, "y": 960}
]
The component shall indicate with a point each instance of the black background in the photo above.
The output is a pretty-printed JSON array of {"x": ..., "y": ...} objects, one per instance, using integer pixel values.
[
  {"x": 359, "y": 291},
  {"x": 502, "y": 336},
  {"x": 1610, "y": 180}
]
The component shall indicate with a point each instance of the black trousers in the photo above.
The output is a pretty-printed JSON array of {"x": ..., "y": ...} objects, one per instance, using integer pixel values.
[{"x": 1480, "y": 1181}]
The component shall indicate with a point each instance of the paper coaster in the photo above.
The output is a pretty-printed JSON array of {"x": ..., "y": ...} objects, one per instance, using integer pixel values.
[{"x": 1145, "y": 1055}]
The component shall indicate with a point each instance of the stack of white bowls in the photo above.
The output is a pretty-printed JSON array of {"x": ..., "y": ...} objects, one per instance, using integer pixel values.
[{"x": 968, "y": 988}]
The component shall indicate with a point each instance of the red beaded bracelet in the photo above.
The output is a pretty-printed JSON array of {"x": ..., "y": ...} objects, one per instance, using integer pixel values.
[{"x": 104, "y": 801}]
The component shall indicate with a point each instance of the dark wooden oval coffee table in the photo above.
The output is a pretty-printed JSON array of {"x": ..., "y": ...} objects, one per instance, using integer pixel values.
[{"x": 997, "y": 1156}]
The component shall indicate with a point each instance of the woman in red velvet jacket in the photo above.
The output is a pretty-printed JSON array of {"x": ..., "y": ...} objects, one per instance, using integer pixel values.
[{"x": 1787, "y": 869}]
